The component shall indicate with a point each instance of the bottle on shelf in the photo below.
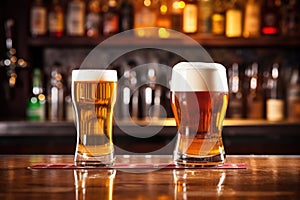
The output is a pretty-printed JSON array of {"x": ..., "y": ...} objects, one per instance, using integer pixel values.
[
  {"x": 290, "y": 21},
  {"x": 127, "y": 85},
  {"x": 293, "y": 96},
  {"x": 145, "y": 16},
  {"x": 218, "y": 18},
  {"x": 68, "y": 99},
  {"x": 255, "y": 96},
  {"x": 55, "y": 19},
  {"x": 190, "y": 17},
  {"x": 270, "y": 17},
  {"x": 252, "y": 19},
  {"x": 126, "y": 15},
  {"x": 38, "y": 19},
  {"x": 93, "y": 20},
  {"x": 176, "y": 8},
  {"x": 275, "y": 104},
  {"x": 236, "y": 98},
  {"x": 36, "y": 106},
  {"x": 56, "y": 94},
  {"x": 234, "y": 16},
  {"x": 163, "y": 18},
  {"x": 75, "y": 18},
  {"x": 205, "y": 15},
  {"x": 135, "y": 98},
  {"x": 110, "y": 18},
  {"x": 150, "y": 96}
]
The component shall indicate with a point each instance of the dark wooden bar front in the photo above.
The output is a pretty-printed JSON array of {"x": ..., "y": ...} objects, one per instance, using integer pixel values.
[
  {"x": 240, "y": 137},
  {"x": 266, "y": 177}
]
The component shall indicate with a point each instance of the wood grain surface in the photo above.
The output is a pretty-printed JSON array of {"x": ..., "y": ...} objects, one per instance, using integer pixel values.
[{"x": 266, "y": 177}]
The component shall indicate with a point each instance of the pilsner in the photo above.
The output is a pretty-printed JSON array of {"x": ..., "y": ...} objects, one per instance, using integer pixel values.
[
  {"x": 94, "y": 96},
  {"x": 199, "y": 99}
]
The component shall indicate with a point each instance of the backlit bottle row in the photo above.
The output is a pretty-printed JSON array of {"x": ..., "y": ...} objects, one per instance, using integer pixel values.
[
  {"x": 271, "y": 93},
  {"x": 232, "y": 18}
]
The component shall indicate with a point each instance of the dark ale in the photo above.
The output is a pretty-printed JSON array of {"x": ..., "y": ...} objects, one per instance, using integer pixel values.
[
  {"x": 205, "y": 130},
  {"x": 199, "y": 109}
]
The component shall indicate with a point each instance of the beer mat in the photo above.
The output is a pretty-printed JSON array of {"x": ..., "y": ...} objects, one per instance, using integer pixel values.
[{"x": 135, "y": 166}]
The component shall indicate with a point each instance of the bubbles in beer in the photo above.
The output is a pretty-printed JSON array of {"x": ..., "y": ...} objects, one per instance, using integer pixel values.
[{"x": 93, "y": 96}]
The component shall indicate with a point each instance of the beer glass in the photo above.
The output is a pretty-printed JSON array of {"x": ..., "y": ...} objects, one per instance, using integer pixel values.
[
  {"x": 93, "y": 97},
  {"x": 199, "y": 98}
]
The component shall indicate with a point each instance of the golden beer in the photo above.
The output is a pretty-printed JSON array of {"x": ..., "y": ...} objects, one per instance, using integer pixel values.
[
  {"x": 93, "y": 102},
  {"x": 199, "y": 106}
]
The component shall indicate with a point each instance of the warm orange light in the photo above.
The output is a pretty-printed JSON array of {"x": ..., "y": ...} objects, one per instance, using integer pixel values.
[
  {"x": 163, "y": 33},
  {"x": 178, "y": 5},
  {"x": 163, "y": 9},
  {"x": 175, "y": 5},
  {"x": 147, "y": 3}
]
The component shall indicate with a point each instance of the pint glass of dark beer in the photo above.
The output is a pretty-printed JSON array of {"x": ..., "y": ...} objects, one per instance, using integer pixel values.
[
  {"x": 199, "y": 98},
  {"x": 93, "y": 96}
]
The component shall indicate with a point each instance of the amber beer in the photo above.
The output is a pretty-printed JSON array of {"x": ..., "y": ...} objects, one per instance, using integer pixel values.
[
  {"x": 199, "y": 98},
  {"x": 94, "y": 96}
]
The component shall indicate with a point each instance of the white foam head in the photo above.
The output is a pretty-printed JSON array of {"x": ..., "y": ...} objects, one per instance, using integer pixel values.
[
  {"x": 199, "y": 76},
  {"x": 94, "y": 75}
]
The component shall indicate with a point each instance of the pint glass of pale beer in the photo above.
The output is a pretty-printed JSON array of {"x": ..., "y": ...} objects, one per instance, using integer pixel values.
[
  {"x": 199, "y": 98},
  {"x": 93, "y": 96}
]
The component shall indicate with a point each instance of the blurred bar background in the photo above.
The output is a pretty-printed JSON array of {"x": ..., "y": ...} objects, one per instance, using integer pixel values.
[{"x": 41, "y": 41}]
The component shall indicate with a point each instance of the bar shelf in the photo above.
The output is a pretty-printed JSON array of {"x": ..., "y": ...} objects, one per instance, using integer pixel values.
[{"x": 205, "y": 40}]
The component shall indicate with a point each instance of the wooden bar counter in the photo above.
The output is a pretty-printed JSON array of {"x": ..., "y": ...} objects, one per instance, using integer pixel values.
[{"x": 265, "y": 177}]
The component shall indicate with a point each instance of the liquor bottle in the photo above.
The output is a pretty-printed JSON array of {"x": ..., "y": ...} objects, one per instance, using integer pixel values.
[
  {"x": 145, "y": 17},
  {"x": 68, "y": 99},
  {"x": 275, "y": 95},
  {"x": 290, "y": 18},
  {"x": 55, "y": 19},
  {"x": 252, "y": 19},
  {"x": 37, "y": 102},
  {"x": 126, "y": 86},
  {"x": 233, "y": 20},
  {"x": 293, "y": 96},
  {"x": 56, "y": 94},
  {"x": 255, "y": 97},
  {"x": 190, "y": 17},
  {"x": 38, "y": 19},
  {"x": 205, "y": 14},
  {"x": 126, "y": 15},
  {"x": 235, "y": 104},
  {"x": 92, "y": 24},
  {"x": 163, "y": 19},
  {"x": 75, "y": 18},
  {"x": 111, "y": 19},
  {"x": 270, "y": 17},
  {"x": 218, "y": 18},
  {"x": 176, "y": 9},
  {"x": 150, "y": 94}
]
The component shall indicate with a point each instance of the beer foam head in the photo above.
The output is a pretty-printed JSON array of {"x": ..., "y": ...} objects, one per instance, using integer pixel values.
[
  {"x": 199, "y": 76},
  {"x": 94, "y": 75}
]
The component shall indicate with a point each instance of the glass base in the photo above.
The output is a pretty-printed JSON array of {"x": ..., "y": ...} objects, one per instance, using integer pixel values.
[
  {"x": 199, "y": 161},
  {"x": 104, "y": 160}
]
